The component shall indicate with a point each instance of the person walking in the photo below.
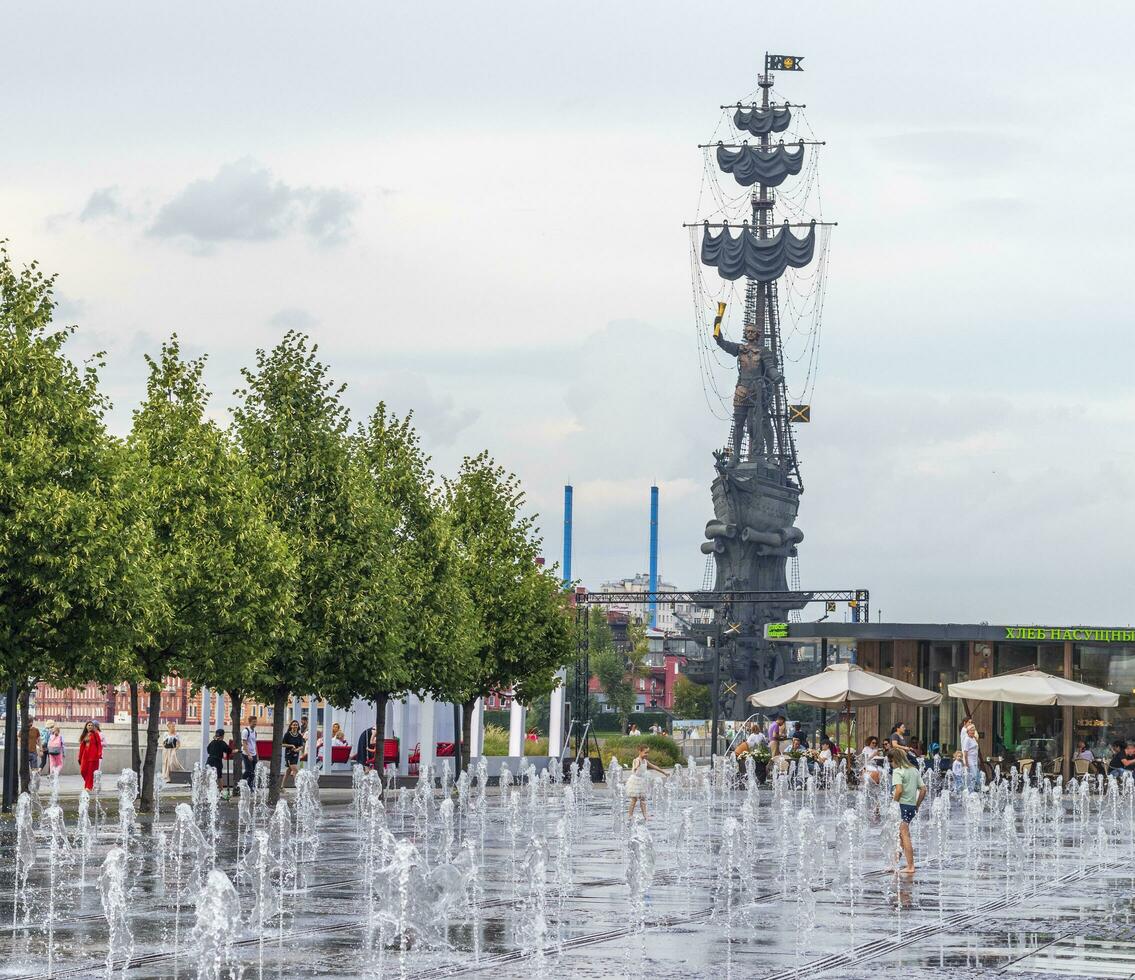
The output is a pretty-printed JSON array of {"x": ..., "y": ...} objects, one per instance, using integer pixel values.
[
  {"x": 909, "y": 792},
  {"x": 248, "y": 750},
  {"x": 170, "y": 744},
  {"x": 34, "y": 749},
  {"x": 293, "y": 746},
  {"x": 90, "y": 753},
  {"x": 215, "y": 754},
  {"x": 636, "y": 784},
  {"x": 56, "y": 750}
]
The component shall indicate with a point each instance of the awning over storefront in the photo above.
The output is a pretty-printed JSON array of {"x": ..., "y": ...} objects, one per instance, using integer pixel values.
[
  {"x": 948, "y": 633},
  {"x": 1033, "y": 687}
]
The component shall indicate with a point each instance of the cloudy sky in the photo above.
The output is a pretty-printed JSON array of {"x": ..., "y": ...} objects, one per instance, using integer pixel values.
[{"x": 475, "y": 210}]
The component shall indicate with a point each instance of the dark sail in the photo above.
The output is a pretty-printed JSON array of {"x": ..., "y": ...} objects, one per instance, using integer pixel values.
[
  {"x": 750, "y": 164},
  {"x": 761, "y": 122},
  {"x": 762, "y": 259}
]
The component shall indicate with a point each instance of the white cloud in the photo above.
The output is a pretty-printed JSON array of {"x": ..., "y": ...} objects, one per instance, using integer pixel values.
[
  {"x": 243, "y": 202},
  {"x": 104, "y": 203}
]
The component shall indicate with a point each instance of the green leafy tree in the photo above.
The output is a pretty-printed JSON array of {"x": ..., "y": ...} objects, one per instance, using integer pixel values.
[
  {"x": 422, "y": 637},
  {"x": 525, "y": 628},
  {"x": 293, "y": 427},
  {"x": 223, "y": 567},
  {"x": 691, "y": 700},
  {"x": 71, "y": 550}
]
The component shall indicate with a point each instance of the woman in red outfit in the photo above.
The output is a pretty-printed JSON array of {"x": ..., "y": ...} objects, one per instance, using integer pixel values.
[{"x": 90, "y": 753}]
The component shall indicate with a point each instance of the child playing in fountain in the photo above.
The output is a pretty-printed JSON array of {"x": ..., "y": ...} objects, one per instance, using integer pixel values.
[
  {"x": 636, "y": 784},
  {"x": 909, "y": 793},
  {"x": 959, "y": 772}
]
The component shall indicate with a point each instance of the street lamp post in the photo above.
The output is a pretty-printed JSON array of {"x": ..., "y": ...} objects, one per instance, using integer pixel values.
[
  {"x": 715, "y": 706},
  {"x": 823, "y": 666}
]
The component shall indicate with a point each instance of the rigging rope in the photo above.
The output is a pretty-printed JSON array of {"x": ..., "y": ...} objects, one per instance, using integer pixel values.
[{"x": 800, "y": 291}]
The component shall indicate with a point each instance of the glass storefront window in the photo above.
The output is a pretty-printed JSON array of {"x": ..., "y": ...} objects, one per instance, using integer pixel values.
[
  {"x": 943, "y": 664},
  {"x": 1113, "y": 669}
]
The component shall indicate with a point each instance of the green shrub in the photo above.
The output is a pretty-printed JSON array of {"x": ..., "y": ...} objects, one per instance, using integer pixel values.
[
  {"x": 495, "y": 741},
  {"x": 664, "y": 751},
  {"x": 539, "y": 747}
]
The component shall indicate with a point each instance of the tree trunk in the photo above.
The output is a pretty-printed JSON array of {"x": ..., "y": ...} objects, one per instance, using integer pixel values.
[
  {"x": 458, "y": 741},
  {"x": 380, "y": 704},
  {"x": 153, "y": 723},
  {"x": 279, "y": 706},
  {"x": 234, "y": 717},
  {"x": 467, "y": 731},
  {"x": 135, "y": 749},
  {"x": 25, "y": 731}
]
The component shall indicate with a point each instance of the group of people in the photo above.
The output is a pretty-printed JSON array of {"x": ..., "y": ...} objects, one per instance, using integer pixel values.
[
  {"x": 47, "y": 750},
  {"x": 295, "y": 744},
  {"x": 964, "y": 767},
  {"x": 776, "y": 740},
  {"x": 1121, "y": 758}
]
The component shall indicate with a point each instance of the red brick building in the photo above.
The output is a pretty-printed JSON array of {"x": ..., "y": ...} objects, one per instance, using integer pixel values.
[
  {"x": 655, "y": 689},
  {"x": 103, "y": 703}
]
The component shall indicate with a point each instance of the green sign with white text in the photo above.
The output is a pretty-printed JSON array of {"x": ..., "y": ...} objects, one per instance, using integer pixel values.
[
  {"x": 776, "y": 631},
  {"x": 1075, "y": 634}
]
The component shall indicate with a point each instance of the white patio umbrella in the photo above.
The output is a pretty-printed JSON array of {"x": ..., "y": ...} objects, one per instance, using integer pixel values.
[
  {"x": 1033, "y": 687},
  {"x": 844, "y": 685}
]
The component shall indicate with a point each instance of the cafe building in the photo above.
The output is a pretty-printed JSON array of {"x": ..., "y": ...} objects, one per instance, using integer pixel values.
[{"x": 935, "y": 655}]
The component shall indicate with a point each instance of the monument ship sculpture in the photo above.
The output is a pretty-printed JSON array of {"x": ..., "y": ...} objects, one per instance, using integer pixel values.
[{"x": 753, "y": 535}]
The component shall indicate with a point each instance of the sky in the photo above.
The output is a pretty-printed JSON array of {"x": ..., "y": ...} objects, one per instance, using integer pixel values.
[{"x": 475, "y": 210}]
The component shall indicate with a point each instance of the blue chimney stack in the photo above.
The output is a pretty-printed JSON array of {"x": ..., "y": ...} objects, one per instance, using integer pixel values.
[
  {"x": 567, "y": 535},
  {"x": 653, "y": 554}
]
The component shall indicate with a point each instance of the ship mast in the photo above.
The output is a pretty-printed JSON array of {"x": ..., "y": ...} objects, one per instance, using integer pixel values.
[
  {"x": 761, "y": 254},
  {"x": 762, "y": 306}
]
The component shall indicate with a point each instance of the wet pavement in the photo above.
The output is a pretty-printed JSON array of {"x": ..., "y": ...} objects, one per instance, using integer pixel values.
[{"x": 547, "y": 880}]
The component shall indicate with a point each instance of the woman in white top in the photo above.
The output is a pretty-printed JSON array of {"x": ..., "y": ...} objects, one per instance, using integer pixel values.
[
  {"x": 636, "y": 784},
  {"x": 869, "y": 751},
  {"x": 170, "y": 744},
  {"x": 971, "y": 755}
]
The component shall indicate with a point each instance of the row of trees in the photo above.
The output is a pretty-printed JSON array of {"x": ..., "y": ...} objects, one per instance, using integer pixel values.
[{"x": 292, "y": 551}]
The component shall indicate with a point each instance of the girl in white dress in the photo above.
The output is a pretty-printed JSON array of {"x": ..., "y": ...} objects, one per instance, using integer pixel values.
[{"x": 636, "y": 784}]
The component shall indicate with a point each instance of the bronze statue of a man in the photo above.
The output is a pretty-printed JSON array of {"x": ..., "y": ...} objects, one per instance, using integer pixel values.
[{"x": 755, "y": 373}]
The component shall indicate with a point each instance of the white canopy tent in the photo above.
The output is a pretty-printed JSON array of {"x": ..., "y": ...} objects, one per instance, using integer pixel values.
[
  {"x": 844, "y": 685},
  {"x": 1034, "y": 687}
]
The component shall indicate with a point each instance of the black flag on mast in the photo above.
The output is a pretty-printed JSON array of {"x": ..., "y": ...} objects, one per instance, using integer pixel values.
[{"x": 783, "y": 62}]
